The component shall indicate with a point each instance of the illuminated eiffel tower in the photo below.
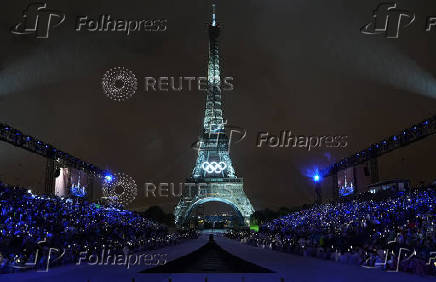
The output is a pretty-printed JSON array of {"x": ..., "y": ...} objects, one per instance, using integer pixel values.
[{"x": 213, "y": 173}]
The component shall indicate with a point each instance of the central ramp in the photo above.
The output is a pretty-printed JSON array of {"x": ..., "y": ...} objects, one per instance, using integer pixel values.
[{"x": 210, "y": 258}]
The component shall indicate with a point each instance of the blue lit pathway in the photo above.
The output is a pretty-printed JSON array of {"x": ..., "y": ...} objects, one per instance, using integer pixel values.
[{"x": 290, "y": 267}]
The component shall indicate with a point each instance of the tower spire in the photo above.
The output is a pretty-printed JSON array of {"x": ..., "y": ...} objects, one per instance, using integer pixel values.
[
  {"x": 213, "y": 119},
  {"x": 213, "y": 15}
]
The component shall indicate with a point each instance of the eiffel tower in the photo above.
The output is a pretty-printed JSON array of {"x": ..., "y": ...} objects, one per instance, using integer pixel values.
[{"x": 213, "y": 175}]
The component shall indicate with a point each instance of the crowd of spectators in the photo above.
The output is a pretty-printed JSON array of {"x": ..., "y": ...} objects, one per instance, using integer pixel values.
[
  {"x": 395, "y": 233},
  {"x": 32, "y": 224}
]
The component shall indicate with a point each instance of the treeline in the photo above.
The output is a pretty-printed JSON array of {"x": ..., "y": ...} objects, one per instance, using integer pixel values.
[{"x": 156, "y": 214}]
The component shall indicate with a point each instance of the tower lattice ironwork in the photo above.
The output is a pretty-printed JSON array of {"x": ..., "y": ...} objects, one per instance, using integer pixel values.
[{"x": 213, "y": 177}]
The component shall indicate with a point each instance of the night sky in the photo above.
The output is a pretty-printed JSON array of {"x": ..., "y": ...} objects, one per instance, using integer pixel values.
[{"x": 297, "y": 65}]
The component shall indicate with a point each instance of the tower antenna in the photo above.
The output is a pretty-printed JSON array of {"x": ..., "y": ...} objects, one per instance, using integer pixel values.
[{"x": 213, "y": 15}]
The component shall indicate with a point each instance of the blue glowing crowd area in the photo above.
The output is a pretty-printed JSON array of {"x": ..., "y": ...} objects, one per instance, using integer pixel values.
[
  {"x": 367, "y": 230},
  {"x": 38, "y": 222},
  {"x": 108, "y": 177}
]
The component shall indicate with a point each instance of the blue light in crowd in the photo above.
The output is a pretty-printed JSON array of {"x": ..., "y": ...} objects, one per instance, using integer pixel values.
[
  {"x": 316, "y": 178},
  {"x": 108, "y": 177}
]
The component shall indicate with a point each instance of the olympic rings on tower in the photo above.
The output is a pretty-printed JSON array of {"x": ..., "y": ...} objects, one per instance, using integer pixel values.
[{"x": 214, "y": 167}]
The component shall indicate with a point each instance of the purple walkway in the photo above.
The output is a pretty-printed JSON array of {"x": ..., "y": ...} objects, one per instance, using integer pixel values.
[{"x": 290, "y": 267}]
